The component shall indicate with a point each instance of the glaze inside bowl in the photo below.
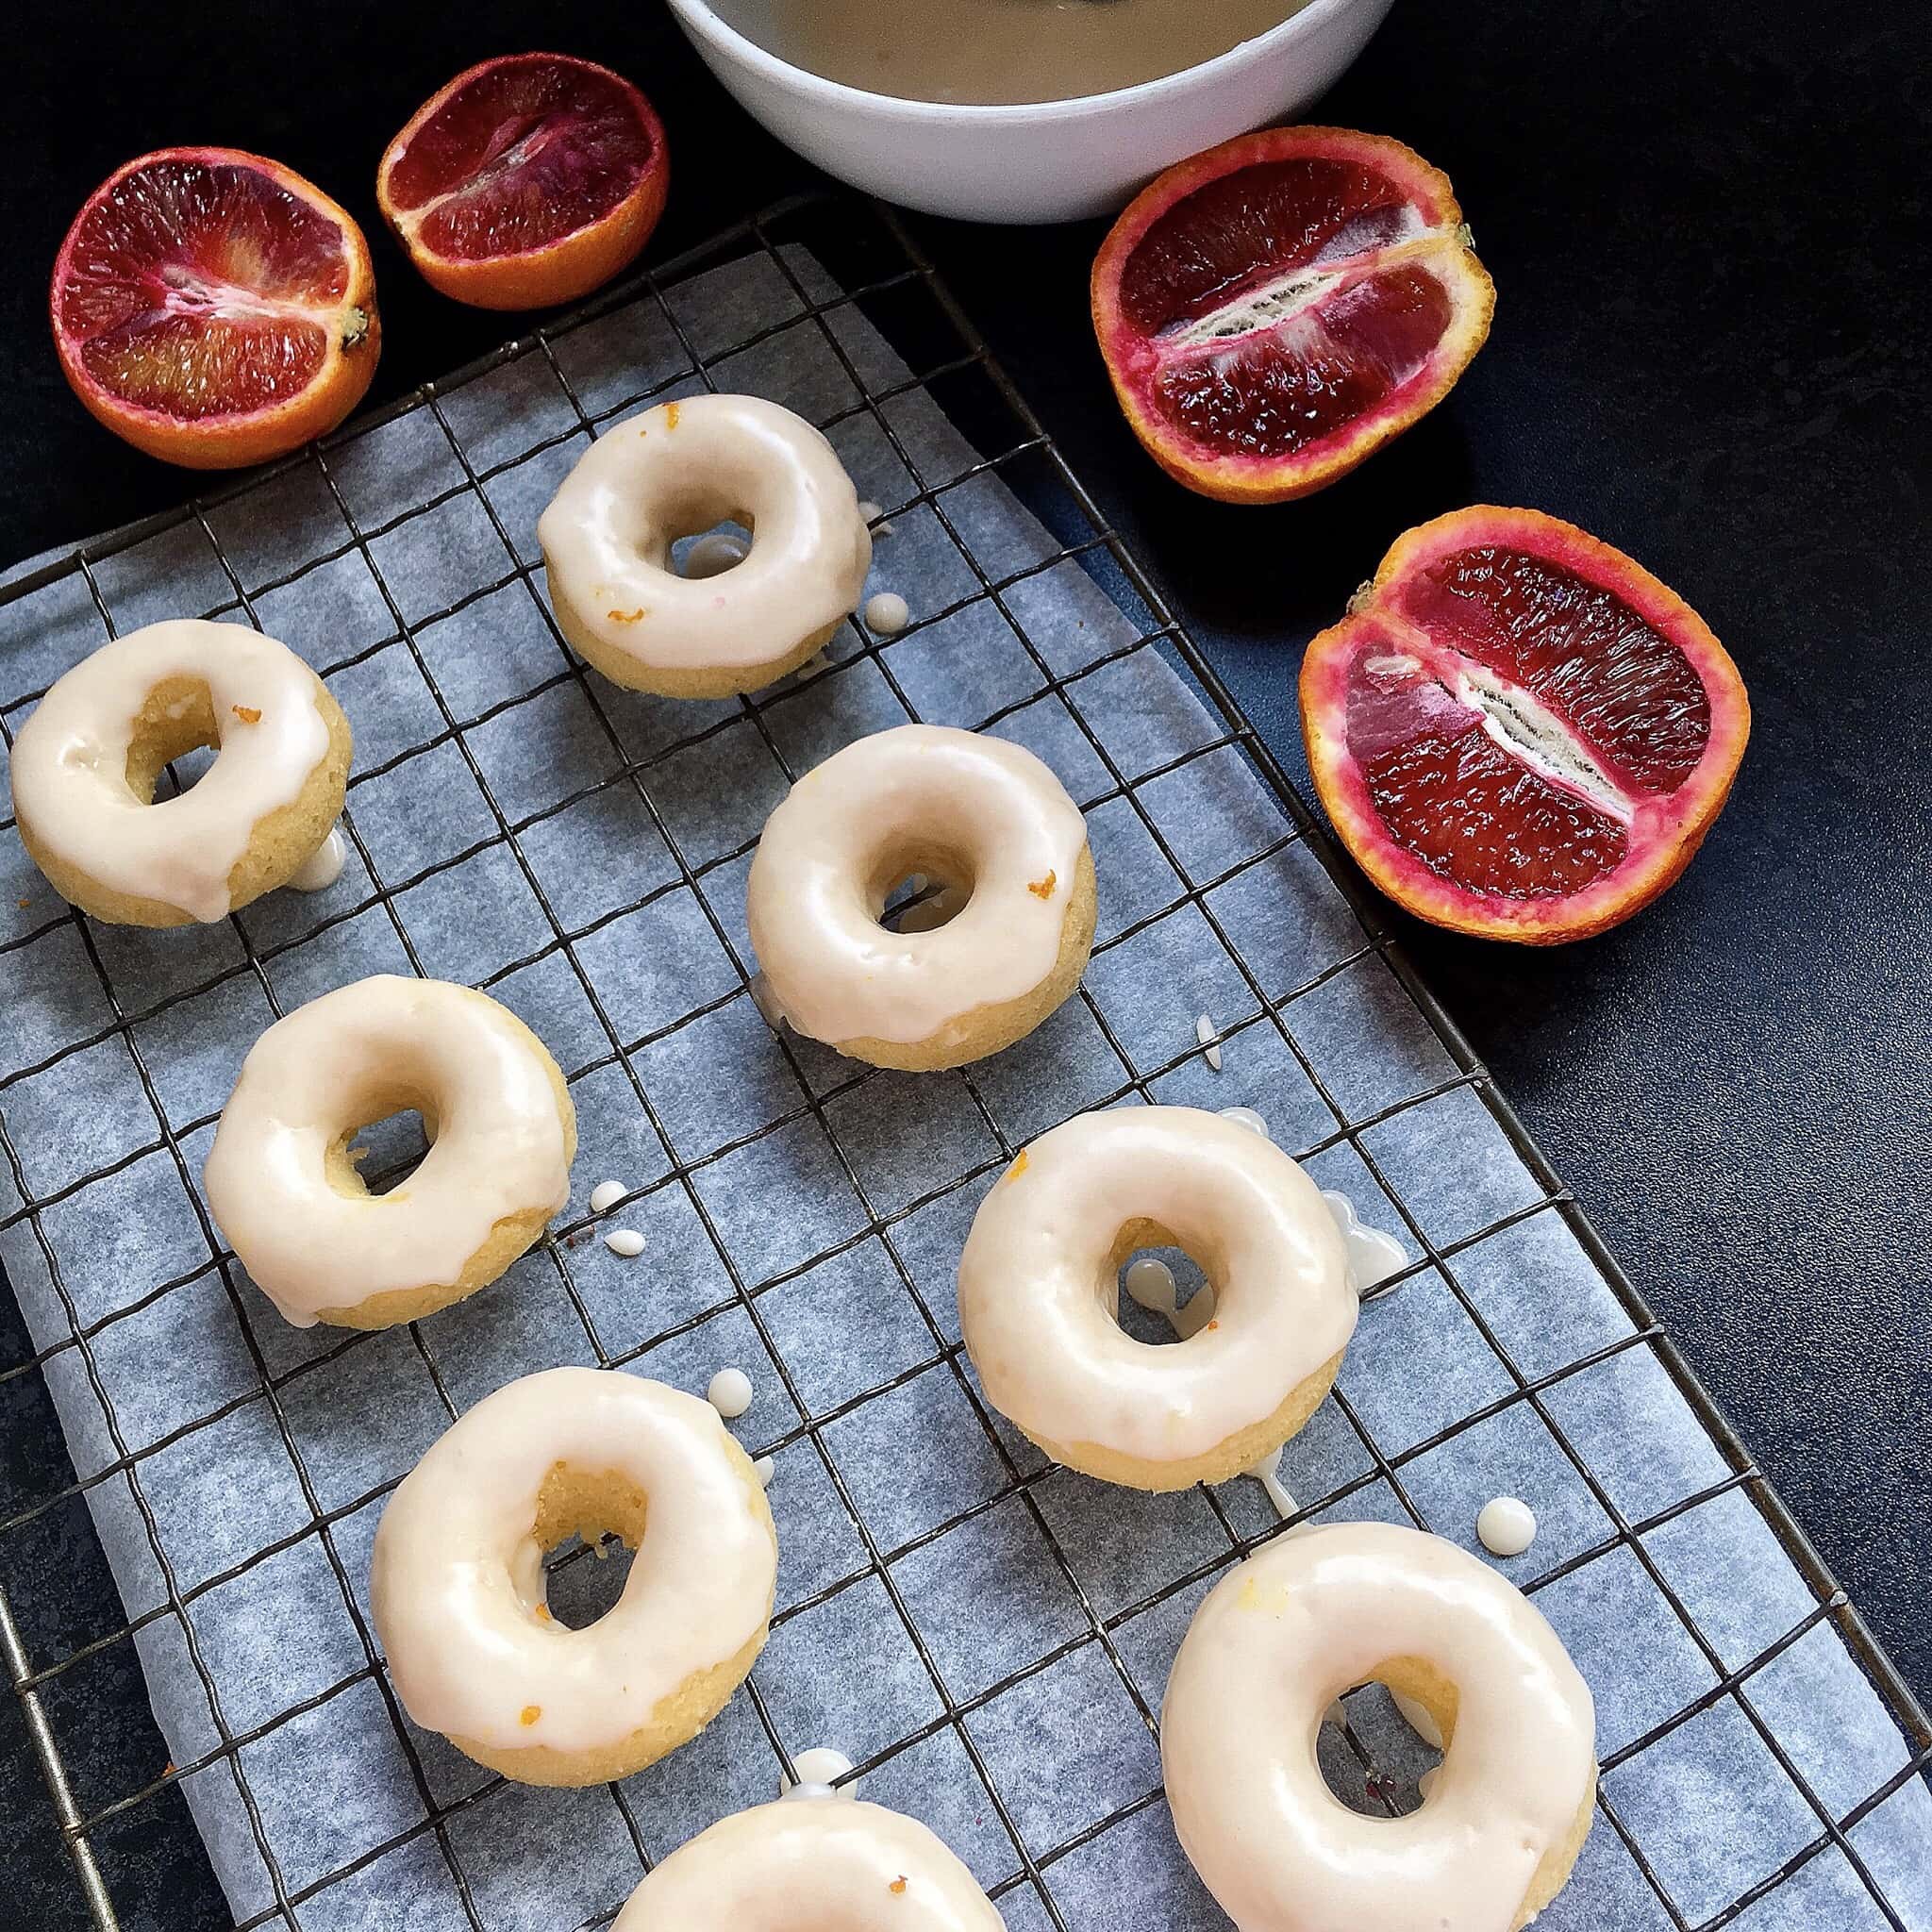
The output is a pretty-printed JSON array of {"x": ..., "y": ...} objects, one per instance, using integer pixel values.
[{"x": 1000, "y": 53}]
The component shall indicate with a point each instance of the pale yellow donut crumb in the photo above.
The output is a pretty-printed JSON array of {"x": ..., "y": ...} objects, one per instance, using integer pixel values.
[{"x": 281, "y": 843}]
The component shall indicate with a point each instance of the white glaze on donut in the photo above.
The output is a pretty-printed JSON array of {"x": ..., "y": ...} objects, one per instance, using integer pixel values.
[
  {"x": 923, "y": 793},
  {"x": 683, "y": 466},
  {"x": 780, "y": 1868},
  {"x": 1311, "y": 1614},
  {"x": 500, "y": 1145},
  {"x": 69, "y": 760},
  {"x": 457, "y": 1576},
  {"x": 1038, "y": 1294}
]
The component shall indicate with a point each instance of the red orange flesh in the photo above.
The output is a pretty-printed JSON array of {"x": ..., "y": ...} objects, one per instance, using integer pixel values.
[
  {"x": 1274, "y": 310},
  {"x": 526, "y": 181},
  {"x": 1517, "y": 731},
  {"x": 215, "y": 308}
]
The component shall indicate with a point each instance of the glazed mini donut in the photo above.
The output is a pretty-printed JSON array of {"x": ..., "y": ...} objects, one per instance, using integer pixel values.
[
  {"x": 985, "y": 816},
  {"x": 456, "y": 1581},
  {"x": 85, "y": 763},
  {"x": 679, "y": 468},
  {"x": 811, "y": 1863},
  {"x": 1315, "y": 1612},
  {"x": 1040, "y": 1293},
  {"x": 282, "y": 1184}
]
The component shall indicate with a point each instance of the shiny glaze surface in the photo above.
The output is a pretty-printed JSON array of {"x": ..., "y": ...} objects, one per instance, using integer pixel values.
[
  {"x": 813, "y": 1865},
  {"x": 1038, "y": 1295},
  {"x": 675, "y": 470},
  {"x": 1289, "y": 1629},
  {"x": 457, "y": 1583},
  {"x": 347, "y": 1059},
  {"x": 919, "y": 797},
  {"x": 69, "y": 760}
]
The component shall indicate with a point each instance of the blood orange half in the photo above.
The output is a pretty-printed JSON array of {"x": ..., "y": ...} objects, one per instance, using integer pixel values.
[
  {"x": 215, "y": 308},
  {"x": 1276, "y": 310},
  {"x": 528, "y": 180},
  {"x": 1517, "y": 731}
]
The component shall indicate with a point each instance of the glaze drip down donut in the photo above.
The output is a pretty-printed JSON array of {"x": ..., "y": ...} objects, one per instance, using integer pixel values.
[
  {"x": 982, "y": 815},
  {"x": 88, "y": 760},
  {"x": 669, "y": 473}
]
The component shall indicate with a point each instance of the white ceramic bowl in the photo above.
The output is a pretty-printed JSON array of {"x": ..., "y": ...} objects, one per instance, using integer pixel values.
[{"x": 1045, "y": 161}]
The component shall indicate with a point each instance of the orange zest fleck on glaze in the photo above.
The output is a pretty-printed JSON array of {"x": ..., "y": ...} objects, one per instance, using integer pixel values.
[
  {"x": 1214, "y": 1325},
  {"x": 1019, "y": 1166},
  {"x": 247, "y": 713},
  {"x": 530, "y": 1713},
  {"x": 625, "y": 616},
  {"x": 1043, "y": 888},
  {"x": 898, "y": 1884},
  {"x": 542, "y": 1613},
  {"x": 671, "y": 415}
]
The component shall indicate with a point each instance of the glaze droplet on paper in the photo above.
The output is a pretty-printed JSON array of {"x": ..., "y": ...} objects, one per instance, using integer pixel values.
[
  {"x": 711, "y": 556},
  {"x": 764, "y": 1468},
  {"x": 886, "y": 614},
  {"x": 1246, "y": 1117},
  {"x": 626, "y": 1241},
  {"x": 1206, "y": 1032},
  {"x": 1149, "y": 1284},
  {"x": 729, "y": 1393},
  {"x": 606, "y": 1195},
  {"x": 1506, "y": 1525},
  {"x": 324, "y": 866}
]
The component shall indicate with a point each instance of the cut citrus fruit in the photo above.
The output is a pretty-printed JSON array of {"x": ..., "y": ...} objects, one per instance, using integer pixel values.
[
  {"x": 1276, "y": 310},
  {"x": 1519, "y": 732},
  {"x": 215, "y": 308},
  {"x": 528, "y": 180}
]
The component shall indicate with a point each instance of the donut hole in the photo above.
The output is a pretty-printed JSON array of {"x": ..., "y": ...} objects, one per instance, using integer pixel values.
[
  {"x": 1155, "y": 1290},
  {"x": 915, "y": 889},
  {"x": 174, "y": 739},
  {"x": 589, "y": 1525},
  {"x": 699, "y": 521},
  {"x": 1377, "y": 1760},
  {"x": 387, "y": 1142},
  {"x": 712, "y": 551}
]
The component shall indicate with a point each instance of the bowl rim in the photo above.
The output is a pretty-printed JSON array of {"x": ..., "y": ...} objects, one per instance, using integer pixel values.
[{"x": 703, "y": 21}]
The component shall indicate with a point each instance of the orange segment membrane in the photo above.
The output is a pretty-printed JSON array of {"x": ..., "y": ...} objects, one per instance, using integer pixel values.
[
  {"x": 526, "y": 154},
  {"x": 1327, "y": 365},
  {"x": 1236, "y": 232},
  {"x": 203, "y": 290},
  {"x": 1628, "y": 692},
  {"x": 1460, "y": 802}
]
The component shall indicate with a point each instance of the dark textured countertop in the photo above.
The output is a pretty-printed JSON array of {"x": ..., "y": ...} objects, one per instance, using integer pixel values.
[{"x": 1707, "y": 229}]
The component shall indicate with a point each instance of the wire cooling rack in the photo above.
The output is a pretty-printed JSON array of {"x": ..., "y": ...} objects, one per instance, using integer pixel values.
[{"x": 850, "y": 279}]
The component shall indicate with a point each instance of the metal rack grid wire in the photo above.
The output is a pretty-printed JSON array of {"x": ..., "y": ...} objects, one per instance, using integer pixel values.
[{"x": 880, "y": 273}]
